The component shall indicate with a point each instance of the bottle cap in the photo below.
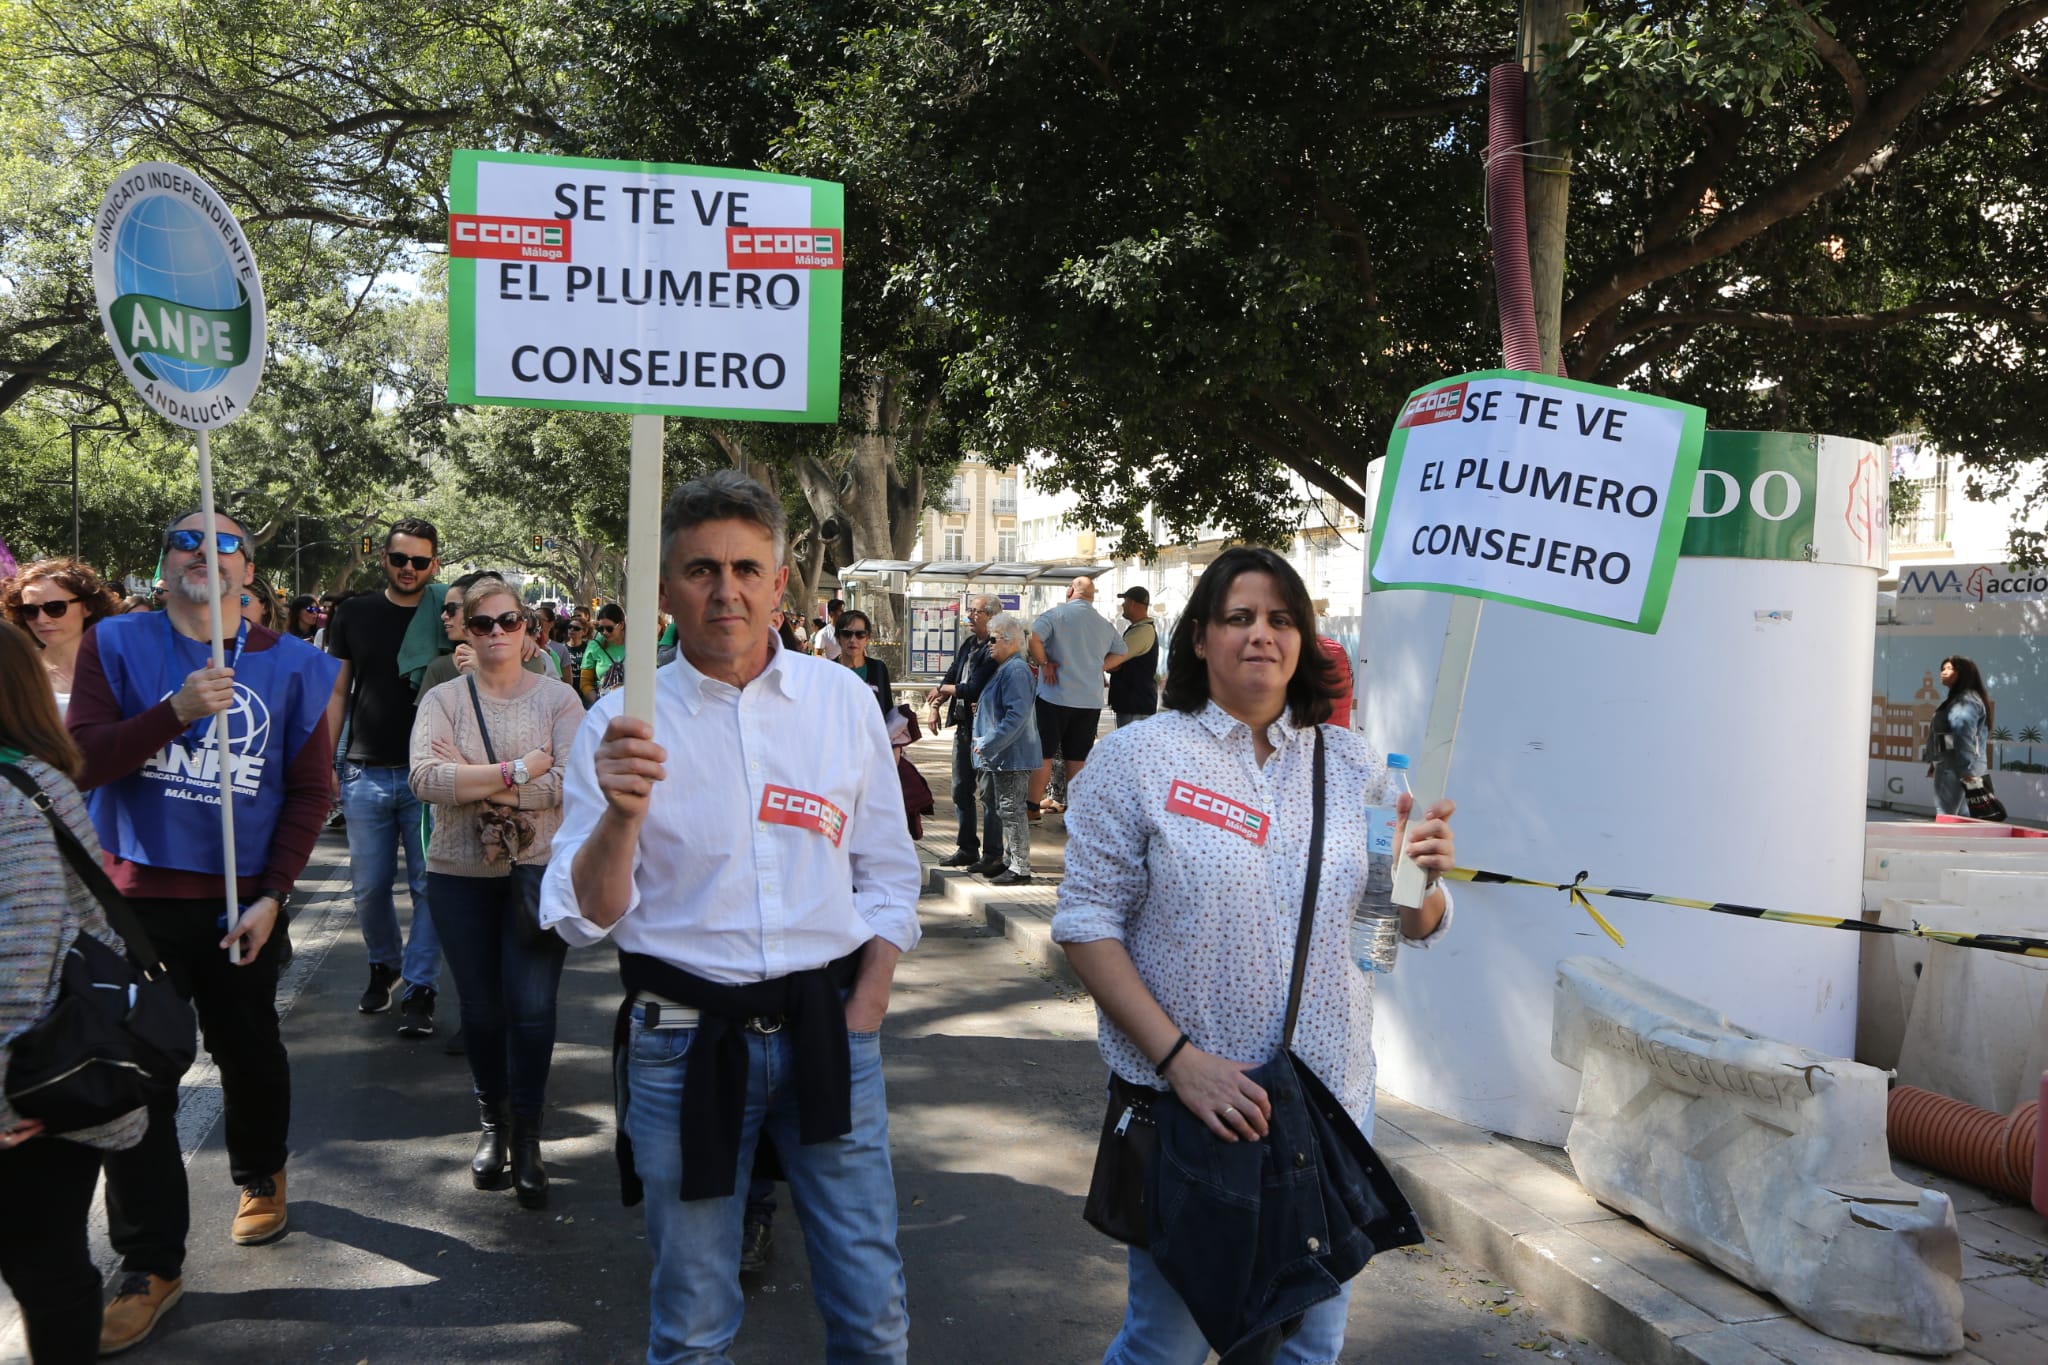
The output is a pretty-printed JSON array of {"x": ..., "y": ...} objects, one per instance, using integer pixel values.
[{"x": 1397, "y": 760}]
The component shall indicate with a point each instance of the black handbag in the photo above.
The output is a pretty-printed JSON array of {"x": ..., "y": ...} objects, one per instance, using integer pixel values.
[
  {"x": 1119, "y": 1191},
  {"x": 525, "y": 877},
  {"x": 118, "y": 1035},
  {"x": 1984, "y": 802}
]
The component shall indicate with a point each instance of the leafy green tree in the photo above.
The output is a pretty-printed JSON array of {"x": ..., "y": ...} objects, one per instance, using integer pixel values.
[{"x": 2030, "y": 736}]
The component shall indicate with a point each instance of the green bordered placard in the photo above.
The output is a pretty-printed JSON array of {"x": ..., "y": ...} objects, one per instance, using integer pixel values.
[
  {"x": 627, "y": 286},
  {"x": 1547, "y": 493}
]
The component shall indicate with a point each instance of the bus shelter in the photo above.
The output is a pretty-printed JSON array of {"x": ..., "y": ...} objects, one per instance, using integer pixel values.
[{"x": 935, "y": 592}]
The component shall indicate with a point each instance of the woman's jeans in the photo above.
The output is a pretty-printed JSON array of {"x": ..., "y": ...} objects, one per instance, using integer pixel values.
[
  {"x": 1949, "y": 797},
  {"x": 1005, "y": 793},
  {"x": 508, "y": 991},
  {"x": 46, "y": 1187},
  {"x": 1158, "y": 1329}
]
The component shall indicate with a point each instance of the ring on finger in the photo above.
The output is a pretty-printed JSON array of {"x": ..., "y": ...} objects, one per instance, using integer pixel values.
[{"x": 1227, "y": 1109}]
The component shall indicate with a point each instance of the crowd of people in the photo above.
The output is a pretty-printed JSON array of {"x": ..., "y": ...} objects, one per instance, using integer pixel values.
[{"x": 758, "y": 909}]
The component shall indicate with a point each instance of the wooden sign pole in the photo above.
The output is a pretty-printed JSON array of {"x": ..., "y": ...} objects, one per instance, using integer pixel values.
[{"x": 643, "y": 564}]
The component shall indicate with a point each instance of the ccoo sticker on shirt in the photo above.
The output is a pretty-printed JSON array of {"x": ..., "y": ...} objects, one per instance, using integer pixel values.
[
  {"x": 1184, "y": 798},
  {"x": 788, "y": 806}
]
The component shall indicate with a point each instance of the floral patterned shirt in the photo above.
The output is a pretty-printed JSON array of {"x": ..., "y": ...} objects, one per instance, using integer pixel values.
[{"x": 1188, "y": 852}]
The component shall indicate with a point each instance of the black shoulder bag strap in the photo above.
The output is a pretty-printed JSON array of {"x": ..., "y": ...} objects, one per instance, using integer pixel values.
[
  {"x": 1308, "y": 902},
  {"x": 124, "y": 919},
  {"x": 489, "y": 752}
]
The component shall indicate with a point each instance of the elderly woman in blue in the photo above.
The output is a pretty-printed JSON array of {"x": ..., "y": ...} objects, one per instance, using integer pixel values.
[{"x": 1187, "y": 845}]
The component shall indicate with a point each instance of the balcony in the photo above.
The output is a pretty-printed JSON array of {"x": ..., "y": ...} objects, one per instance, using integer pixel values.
[
  {"x": 1005, "y": 507},
  {"x": 956, "y": 501}
]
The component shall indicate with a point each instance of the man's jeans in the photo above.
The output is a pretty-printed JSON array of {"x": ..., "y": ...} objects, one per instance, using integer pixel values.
[
  {"x": 844, "y": 1192},
  {"x": 382, "y": 812},
  {"x": 983, "y": 837},
  {"x": 1159, "y": 1330}
]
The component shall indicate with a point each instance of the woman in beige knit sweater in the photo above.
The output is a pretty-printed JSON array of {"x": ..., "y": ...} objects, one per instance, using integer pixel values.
[{"x": 487, "y": 751}]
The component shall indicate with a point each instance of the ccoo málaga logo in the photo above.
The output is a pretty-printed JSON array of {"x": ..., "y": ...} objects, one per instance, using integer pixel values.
[{"x": 179, "y": 295}]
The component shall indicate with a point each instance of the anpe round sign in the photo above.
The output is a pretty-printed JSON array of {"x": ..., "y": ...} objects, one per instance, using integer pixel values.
[{"x": 179, "y": 295}]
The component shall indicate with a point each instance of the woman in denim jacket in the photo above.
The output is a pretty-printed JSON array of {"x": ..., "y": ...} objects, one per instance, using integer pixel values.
[
  {"x": 1006, "y": 746},
  {"x": 1956, "y": 752}
]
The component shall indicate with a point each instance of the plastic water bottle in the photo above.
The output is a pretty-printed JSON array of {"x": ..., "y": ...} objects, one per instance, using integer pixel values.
[{"x": 1375, "y": 922}]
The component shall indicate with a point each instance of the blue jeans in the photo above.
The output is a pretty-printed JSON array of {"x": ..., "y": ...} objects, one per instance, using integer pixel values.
[
  {"x": 508, "y": 991},
  {"x": 844, "y": 1192},
  {"x": 382, "y": 813},
  {"x": 1158, "y": 1330}
]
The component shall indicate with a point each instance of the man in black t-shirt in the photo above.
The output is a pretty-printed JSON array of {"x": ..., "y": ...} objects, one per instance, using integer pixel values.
[{"x": 368, "y": 633}]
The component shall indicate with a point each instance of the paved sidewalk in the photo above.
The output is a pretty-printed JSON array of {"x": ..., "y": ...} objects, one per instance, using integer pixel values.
[{"x": 1515, "y": 1207}]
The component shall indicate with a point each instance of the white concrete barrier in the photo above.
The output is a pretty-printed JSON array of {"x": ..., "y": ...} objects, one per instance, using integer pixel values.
[{"x": 1766, "y": 1159}]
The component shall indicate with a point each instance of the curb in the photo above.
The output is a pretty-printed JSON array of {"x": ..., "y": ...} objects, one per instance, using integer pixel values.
[
  {"x": 1023, "y": 917},
  {"x": 1597, "y": 1273}
]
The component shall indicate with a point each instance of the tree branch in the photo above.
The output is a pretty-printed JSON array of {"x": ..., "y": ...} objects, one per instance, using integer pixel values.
[
  {"x": 1836, "y": 55},
  {"x": 1787, "y": 324}
]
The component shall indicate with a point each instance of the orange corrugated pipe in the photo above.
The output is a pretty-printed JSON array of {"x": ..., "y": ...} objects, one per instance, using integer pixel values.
[{"x": 1985, "y": 1148}]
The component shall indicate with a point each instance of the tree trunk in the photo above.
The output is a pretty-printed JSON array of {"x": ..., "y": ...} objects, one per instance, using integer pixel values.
[{"x": 1546, "y": 175}]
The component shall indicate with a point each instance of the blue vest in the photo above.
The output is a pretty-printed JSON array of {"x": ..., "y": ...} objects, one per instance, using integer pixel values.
[{"x": 164, "y": 815}]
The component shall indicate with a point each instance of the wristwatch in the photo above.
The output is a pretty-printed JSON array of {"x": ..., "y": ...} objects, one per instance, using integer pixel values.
[
  {"x": 520, "y": 777},
  {"x": 282, "y": 897}
]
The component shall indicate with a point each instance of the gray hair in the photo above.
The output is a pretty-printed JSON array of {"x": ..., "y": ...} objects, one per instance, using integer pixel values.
[
  {"x": 1007, "y": 625},
  {"x": 726, "y": 495},
  {"x": 989, "y": 601}
]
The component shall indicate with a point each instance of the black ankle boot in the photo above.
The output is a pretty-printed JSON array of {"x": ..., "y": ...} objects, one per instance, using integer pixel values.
[
  {"x": 529, "y": 1177},
  {"x": 490, "y": 1168}
]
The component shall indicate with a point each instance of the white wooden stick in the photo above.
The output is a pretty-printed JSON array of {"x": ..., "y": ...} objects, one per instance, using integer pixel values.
[
  {"x": 1432, "y": 767},
  {"x": 215, "y": 628},
  {"x": 643, "y": 564}
]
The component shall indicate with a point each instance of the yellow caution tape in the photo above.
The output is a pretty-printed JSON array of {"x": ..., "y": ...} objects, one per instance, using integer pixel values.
[{"x": 1577, "y": 890}]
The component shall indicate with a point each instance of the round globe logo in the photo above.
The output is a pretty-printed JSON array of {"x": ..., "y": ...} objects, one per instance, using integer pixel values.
[
  {"x": 165, "y": 250},
  {"x": 180, "y": 297}
]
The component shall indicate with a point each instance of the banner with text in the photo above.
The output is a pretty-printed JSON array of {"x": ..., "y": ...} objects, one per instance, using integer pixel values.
[
  {"x": 625, "y": 286},
  {"x": 1547, "y": 493}
]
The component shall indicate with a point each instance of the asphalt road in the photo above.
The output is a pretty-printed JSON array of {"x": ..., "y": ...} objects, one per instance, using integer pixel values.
[{"x": 995, "y": 1090}]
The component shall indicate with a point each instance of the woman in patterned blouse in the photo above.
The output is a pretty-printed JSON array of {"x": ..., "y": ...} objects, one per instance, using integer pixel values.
[{"x": 1187, "y": 847}]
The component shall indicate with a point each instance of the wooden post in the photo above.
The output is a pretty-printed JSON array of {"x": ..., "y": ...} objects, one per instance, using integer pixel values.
[
  {"x": 643, "y": 564},
  {"x": 1546, "y": 175},
  {"x": 210, "y": 546}
]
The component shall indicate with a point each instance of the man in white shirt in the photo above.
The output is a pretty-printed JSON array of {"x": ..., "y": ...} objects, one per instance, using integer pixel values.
[
  {"x": 827, "y": 642},
  {"x": 759, "y": 904}
]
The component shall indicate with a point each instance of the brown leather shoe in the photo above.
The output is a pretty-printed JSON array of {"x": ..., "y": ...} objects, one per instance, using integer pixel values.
[
  {"x": 141, "y": 1299},
  {"x": 260, "y": 1216}
]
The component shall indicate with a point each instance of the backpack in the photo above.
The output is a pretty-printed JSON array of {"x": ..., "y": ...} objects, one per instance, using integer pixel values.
[{"x": 118, "y": 1034}]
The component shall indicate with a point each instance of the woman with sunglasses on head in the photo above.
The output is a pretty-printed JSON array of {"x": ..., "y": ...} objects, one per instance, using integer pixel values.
[
  {"x": 854, "y": 633},
  {"x": 56, "y": 601},
  {"x": 604, "y": 660},
  {"x": 486, "y": 753}
]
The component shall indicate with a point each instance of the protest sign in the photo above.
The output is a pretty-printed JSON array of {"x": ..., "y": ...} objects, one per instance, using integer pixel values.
[
  {"x": 1548, "y": 493},
  {"x": 181, "y": 301},
  {"x": 623, "y": 286},
  {"x": 179, "y": 295}
]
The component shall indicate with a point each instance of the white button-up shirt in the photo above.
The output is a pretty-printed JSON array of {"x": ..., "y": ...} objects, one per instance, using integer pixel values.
[
  {"x": 776, "y": 844},
  {"x": 1193, "y": 856}
]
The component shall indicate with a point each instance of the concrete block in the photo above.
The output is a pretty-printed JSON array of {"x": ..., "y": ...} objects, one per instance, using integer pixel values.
[
  {"x": 1764, "y": 1159},
  {"x": 1975, "y": 1023},
  {"x": 1552, "y": 1193}
]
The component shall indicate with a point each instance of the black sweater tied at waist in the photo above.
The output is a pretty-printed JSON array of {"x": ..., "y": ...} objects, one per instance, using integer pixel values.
[{"x": 715, "y": 1073}]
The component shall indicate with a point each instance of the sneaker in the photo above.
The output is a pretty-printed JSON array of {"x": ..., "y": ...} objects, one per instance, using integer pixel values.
[
  {"x": 961, "y": 858},
  {"x": 757, "y": 1243},
  {"x": 416, "y": 1013},
  {"x": 139, "y": 1301},
  {"x": 377, "y": 997},
  {"x": 259, "y": 1218}
]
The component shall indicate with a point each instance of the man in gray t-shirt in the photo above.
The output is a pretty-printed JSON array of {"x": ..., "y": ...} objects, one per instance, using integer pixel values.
[{"x": 1071, "y": 645}]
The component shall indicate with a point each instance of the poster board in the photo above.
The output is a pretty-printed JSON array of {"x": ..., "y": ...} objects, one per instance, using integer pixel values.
[{"x": 934, "y": 635}]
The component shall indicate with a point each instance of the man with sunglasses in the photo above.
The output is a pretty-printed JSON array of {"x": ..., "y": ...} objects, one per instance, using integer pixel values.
[
  {"x": 378, "y": 701},
  {"x": 143, "y": 715}
]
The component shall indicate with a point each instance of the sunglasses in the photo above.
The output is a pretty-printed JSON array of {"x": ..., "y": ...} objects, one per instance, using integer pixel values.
[
  {"x": 227, "y": 542},
  {"x": 853, "y": 635},
  {"x": 510, "y": 622},
  {"x": 399, "y": 561},
  {"x": 606, "y": 628},
  {"x": 53, "y": 610},
  {"x": 450, "y": 608}
]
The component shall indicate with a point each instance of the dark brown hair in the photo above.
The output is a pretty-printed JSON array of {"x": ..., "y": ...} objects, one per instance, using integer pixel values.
[
  {"x": 95, "y": 598},
  {"x": 28, "y": 708},
  {"x": 1315, "y": 679}
]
